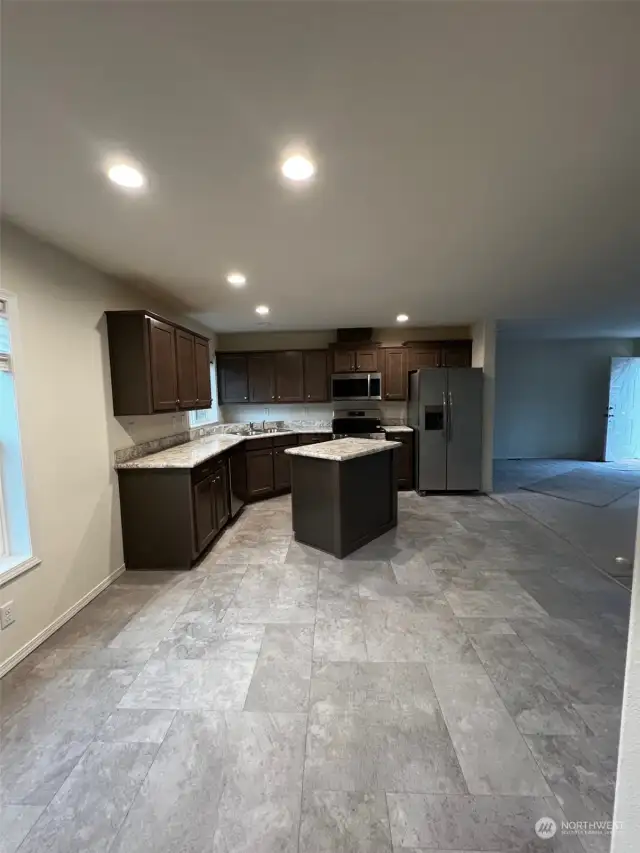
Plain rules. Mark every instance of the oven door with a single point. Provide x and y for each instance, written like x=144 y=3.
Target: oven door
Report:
x=350 y=386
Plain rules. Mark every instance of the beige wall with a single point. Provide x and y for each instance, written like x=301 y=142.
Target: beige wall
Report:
x=240 y=341
x=68 y=430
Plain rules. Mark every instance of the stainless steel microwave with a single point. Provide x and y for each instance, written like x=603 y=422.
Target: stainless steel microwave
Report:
x=356 y=386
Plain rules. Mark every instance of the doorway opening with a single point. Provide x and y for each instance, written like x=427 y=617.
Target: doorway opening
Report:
x=622 y=442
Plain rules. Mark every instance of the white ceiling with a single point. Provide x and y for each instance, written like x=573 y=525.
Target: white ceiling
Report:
x=475 y=160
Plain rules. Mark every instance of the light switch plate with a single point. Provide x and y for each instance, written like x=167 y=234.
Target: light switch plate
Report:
x=6 y=615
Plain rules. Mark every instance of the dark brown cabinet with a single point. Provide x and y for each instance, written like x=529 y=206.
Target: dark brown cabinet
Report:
x=281 y=470
x=316 y=379
x=204 y=511
x=313 y=437
x=404 y=458
x=233 y=380
x=356 y=360
x=186 y=369
x=162 y=358
x=220 y=494
x=262 y=377
x=344 y=361
x=202 y=360
x=456 y=354
x=395 y=374
x=259 y=472
x=289 y=376
x=367 y=360
x=156 y=365
x=424 y=355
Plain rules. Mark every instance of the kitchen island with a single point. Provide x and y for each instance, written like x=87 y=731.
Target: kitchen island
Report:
x=343 y=493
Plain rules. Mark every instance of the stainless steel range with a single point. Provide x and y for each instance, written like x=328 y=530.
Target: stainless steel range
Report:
x=357 y=423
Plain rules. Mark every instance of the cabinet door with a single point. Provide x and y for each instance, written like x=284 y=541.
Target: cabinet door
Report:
x=221 y=498
x=259 y=472
x=162 y=357
x=204 y=509
x=203 y=373
x=186 y=369
x=233 y=386
x=425 y=356
x=404 y=459
x=456 y=354
x=395 y=374
x=262 y=381
x=316 y=381
x=344 y=361
x=281 y=469
x=289 y=377
x=367 y=360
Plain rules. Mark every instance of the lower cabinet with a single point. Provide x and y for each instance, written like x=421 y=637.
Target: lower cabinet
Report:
x=210 y=506
x=404 y=458
x=259 y=472
x=281 y=470
x=269 y=468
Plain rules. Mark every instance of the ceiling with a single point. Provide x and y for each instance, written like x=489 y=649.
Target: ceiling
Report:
x=475 y=159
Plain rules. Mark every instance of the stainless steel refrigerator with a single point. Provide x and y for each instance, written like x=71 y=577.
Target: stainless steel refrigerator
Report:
x=445 y=411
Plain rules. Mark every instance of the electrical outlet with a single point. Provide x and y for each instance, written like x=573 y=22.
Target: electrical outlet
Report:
x=6 y=615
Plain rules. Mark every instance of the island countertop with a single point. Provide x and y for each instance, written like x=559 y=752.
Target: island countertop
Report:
x=343 y=449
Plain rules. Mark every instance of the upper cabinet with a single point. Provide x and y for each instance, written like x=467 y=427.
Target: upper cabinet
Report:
x=289 y=376
x=395 y=373
x=439 y=354
x=456 y=354
x=302 y=376
x=361 y=359
x=233 y=378
x=316 y=378
x=262 y=377
x=156 y=365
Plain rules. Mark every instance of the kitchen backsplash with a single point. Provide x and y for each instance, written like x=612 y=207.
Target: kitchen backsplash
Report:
x=392 y=413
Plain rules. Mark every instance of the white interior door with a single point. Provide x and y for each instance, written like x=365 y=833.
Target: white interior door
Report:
x=623 y=417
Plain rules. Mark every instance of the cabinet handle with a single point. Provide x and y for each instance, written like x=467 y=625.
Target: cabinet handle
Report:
x=197 y=399
x=245 y=398
x=308 y=396
x=273 y=396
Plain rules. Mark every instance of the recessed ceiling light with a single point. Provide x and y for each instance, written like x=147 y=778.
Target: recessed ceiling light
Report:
x=402 y=318
x=127 y=176
x=298 y=168
x=237 y=279
x=262 y=310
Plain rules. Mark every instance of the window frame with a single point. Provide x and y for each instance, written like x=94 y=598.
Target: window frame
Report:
x=13 y=565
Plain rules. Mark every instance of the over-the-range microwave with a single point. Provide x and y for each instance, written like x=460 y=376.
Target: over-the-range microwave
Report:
x=356 y=386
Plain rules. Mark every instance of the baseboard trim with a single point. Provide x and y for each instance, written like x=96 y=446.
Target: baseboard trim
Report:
x=22 y=653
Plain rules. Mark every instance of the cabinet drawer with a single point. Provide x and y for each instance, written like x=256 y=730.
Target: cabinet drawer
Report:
x=207 y=468
x=285 y=441
x=314 y=438
x=259 y=444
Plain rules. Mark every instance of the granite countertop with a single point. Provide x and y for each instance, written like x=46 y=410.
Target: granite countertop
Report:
x=398 y=428
x=187 y=455
x=196 y=452
x=343 y=449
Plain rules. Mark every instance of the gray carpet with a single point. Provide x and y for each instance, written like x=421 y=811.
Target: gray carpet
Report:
x=591 y=487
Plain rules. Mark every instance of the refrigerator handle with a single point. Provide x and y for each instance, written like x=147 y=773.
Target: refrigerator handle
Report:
x=445 y=413
x=450 y=417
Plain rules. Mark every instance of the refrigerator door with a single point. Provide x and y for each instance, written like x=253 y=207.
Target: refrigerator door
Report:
x=464 y=432
x=431 y=435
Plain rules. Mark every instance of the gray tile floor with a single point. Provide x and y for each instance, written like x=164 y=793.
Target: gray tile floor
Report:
x=443 y=689
x=600 y=533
